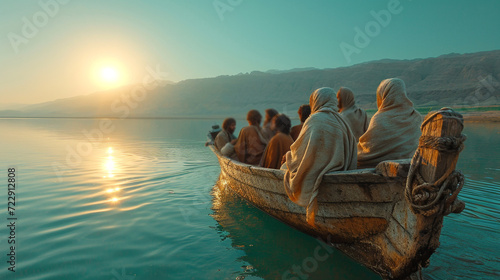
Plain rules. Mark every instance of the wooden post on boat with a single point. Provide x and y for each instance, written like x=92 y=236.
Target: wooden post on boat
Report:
x=433 y=165
x=433 y=184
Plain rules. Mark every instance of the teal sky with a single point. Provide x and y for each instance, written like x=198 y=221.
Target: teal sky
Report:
x=191 y=39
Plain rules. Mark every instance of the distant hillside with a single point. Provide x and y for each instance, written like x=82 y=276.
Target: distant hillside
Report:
x=448 y=80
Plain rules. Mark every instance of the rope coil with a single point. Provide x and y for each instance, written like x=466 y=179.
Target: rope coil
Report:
x=432 y=198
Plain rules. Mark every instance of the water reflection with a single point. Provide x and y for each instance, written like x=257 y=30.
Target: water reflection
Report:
x=160 y=167
x=110 y=164
x=110 y=169
x=273 y=250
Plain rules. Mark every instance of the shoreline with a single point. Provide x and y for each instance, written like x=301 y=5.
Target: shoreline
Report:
x=485 y=116
x=471 y=114
x=488 y=114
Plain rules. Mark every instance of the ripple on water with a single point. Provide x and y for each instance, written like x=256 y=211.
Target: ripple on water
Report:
x=165 y=224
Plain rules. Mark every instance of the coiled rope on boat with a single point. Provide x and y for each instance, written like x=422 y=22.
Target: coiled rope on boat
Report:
x=432 y=198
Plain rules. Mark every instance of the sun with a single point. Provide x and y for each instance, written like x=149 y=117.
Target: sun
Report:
x=109 y=75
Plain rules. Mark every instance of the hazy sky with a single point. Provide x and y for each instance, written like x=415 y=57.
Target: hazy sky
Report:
x=53 y=49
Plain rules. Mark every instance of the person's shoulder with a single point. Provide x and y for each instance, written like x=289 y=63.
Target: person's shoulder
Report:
x=288 y=138
x=278 y=137
x=317 y=118
x=246 y=128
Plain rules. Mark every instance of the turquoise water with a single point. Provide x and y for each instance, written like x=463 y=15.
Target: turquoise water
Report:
x=139 y=204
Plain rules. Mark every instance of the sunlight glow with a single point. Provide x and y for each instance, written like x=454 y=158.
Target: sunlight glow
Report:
x=109 y=75
x=109 y=164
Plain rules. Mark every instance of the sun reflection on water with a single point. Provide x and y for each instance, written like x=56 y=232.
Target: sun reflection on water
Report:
x=110 y=169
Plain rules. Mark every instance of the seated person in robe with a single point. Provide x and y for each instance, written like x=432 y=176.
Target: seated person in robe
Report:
x=251 y=144
x=304 y=112
x=354 y=116
x=267 y=132
x=279 y=144
x=325 y=144
x=394 y=130
x=226 y=137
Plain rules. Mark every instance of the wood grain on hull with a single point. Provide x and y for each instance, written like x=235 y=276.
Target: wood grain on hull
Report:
x=361 y=212
x=365 y=213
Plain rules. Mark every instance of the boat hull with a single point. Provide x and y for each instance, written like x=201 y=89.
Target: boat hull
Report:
x=361 y=212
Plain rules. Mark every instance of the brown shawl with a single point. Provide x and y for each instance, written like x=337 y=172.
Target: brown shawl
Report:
x=325 y=144
x=250 y=145
x=296 y=131
x=275 y=150
x=355 y=117
x=394 y=130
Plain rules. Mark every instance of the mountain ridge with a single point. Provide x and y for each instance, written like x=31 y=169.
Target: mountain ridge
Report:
x=447 y=80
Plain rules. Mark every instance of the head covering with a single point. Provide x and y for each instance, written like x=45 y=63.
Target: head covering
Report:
x=394 y=130
x=325 y=144
x=346 y=98
x=391 y=94
x=323 y=100
x=355 y=117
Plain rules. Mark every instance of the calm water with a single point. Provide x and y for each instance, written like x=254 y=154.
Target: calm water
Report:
x=139 y=204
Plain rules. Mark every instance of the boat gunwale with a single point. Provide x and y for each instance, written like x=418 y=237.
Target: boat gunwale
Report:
x=376 y=175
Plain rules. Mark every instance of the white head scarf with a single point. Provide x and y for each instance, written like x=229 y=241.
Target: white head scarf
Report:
x=394 y=130
x=355 y=117
x=325 y=144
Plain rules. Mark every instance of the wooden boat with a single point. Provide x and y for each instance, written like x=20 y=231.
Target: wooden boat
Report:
x=388 y=218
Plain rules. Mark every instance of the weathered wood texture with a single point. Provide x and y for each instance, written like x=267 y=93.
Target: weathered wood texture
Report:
x=363 y=213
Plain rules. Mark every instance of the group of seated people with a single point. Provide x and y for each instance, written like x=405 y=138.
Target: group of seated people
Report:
x=336 y=136
x=263 y=146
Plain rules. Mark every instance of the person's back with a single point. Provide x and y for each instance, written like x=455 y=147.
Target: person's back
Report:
x=394 y=130
x=251 y=144
x=325 y=144
x=304 y=112
x=354 y=116
x=279 y=144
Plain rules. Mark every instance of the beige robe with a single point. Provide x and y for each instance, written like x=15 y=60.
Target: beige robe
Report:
x=325 y=144
x=394 y=130
x=275 y=150
x=355 y=117
x=250 y=145
x=222 y=139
